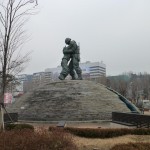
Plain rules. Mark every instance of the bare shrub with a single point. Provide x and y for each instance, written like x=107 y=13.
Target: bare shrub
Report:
x=40 y=140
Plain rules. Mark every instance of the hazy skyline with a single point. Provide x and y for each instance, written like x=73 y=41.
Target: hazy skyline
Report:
x=116 y=32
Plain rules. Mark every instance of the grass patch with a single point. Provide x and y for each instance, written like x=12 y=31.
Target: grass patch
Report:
x=132 y=146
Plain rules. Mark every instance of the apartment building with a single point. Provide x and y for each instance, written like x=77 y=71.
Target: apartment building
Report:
x=54 y=72
x=93 y=69
x=29 y=82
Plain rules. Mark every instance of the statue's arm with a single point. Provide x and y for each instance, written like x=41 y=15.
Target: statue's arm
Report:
x=67 y=51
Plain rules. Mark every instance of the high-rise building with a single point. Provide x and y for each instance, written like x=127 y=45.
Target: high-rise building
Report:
x=22 y=79
x=19 y=88
x=29 y=82
x=54 y=72
x=93 y=69
x=41 y=78
x=47 y=77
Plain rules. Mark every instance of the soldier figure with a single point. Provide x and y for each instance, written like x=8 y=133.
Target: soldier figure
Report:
x=65 y=68
x=71 y=52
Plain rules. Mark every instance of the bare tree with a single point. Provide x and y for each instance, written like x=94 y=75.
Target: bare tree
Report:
x=13 y=16
x=122 y=87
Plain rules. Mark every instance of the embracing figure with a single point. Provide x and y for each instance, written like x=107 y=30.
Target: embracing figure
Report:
x=71 y=56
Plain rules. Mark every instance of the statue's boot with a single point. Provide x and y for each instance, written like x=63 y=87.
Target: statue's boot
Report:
x=61 y=77
x=79 y=77
x=73 y=78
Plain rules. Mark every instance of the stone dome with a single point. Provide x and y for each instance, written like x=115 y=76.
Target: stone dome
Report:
x=75 y=100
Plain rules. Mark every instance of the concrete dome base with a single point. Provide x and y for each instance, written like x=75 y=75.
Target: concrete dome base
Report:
x=68 y=100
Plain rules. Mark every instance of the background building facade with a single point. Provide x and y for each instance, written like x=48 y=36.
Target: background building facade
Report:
x=90 y=70
x=93 y=70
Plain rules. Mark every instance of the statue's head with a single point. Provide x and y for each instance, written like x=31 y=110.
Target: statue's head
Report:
x=67 y=41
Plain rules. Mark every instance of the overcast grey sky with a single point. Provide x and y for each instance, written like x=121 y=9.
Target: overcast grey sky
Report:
x=116 y=32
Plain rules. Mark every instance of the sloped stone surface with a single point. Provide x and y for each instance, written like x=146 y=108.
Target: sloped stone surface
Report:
x=68 y=100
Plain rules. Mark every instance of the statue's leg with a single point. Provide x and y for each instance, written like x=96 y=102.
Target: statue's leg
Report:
x=65 y=69
x=77 y=68
x=71 y=70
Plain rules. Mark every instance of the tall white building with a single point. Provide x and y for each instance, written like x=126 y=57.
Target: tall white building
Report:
x=93 y=69
x=42 y=77
x=54 y=72
x=21 y=78
x=29 y=82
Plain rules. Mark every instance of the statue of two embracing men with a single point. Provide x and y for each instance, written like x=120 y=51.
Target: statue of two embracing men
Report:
x=71 y=55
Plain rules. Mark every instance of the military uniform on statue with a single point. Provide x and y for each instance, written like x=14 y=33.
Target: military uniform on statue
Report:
x=72 y=54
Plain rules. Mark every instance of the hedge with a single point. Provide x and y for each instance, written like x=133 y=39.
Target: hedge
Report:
x=18 y=126
x=104 y=133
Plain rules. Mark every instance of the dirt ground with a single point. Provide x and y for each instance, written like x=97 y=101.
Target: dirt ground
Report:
x=106 y=144
x=103 y=124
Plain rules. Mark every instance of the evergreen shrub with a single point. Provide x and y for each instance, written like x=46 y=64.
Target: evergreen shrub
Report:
x=18 y=126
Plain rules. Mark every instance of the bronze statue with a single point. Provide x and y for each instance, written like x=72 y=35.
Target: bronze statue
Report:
x=72 y=54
